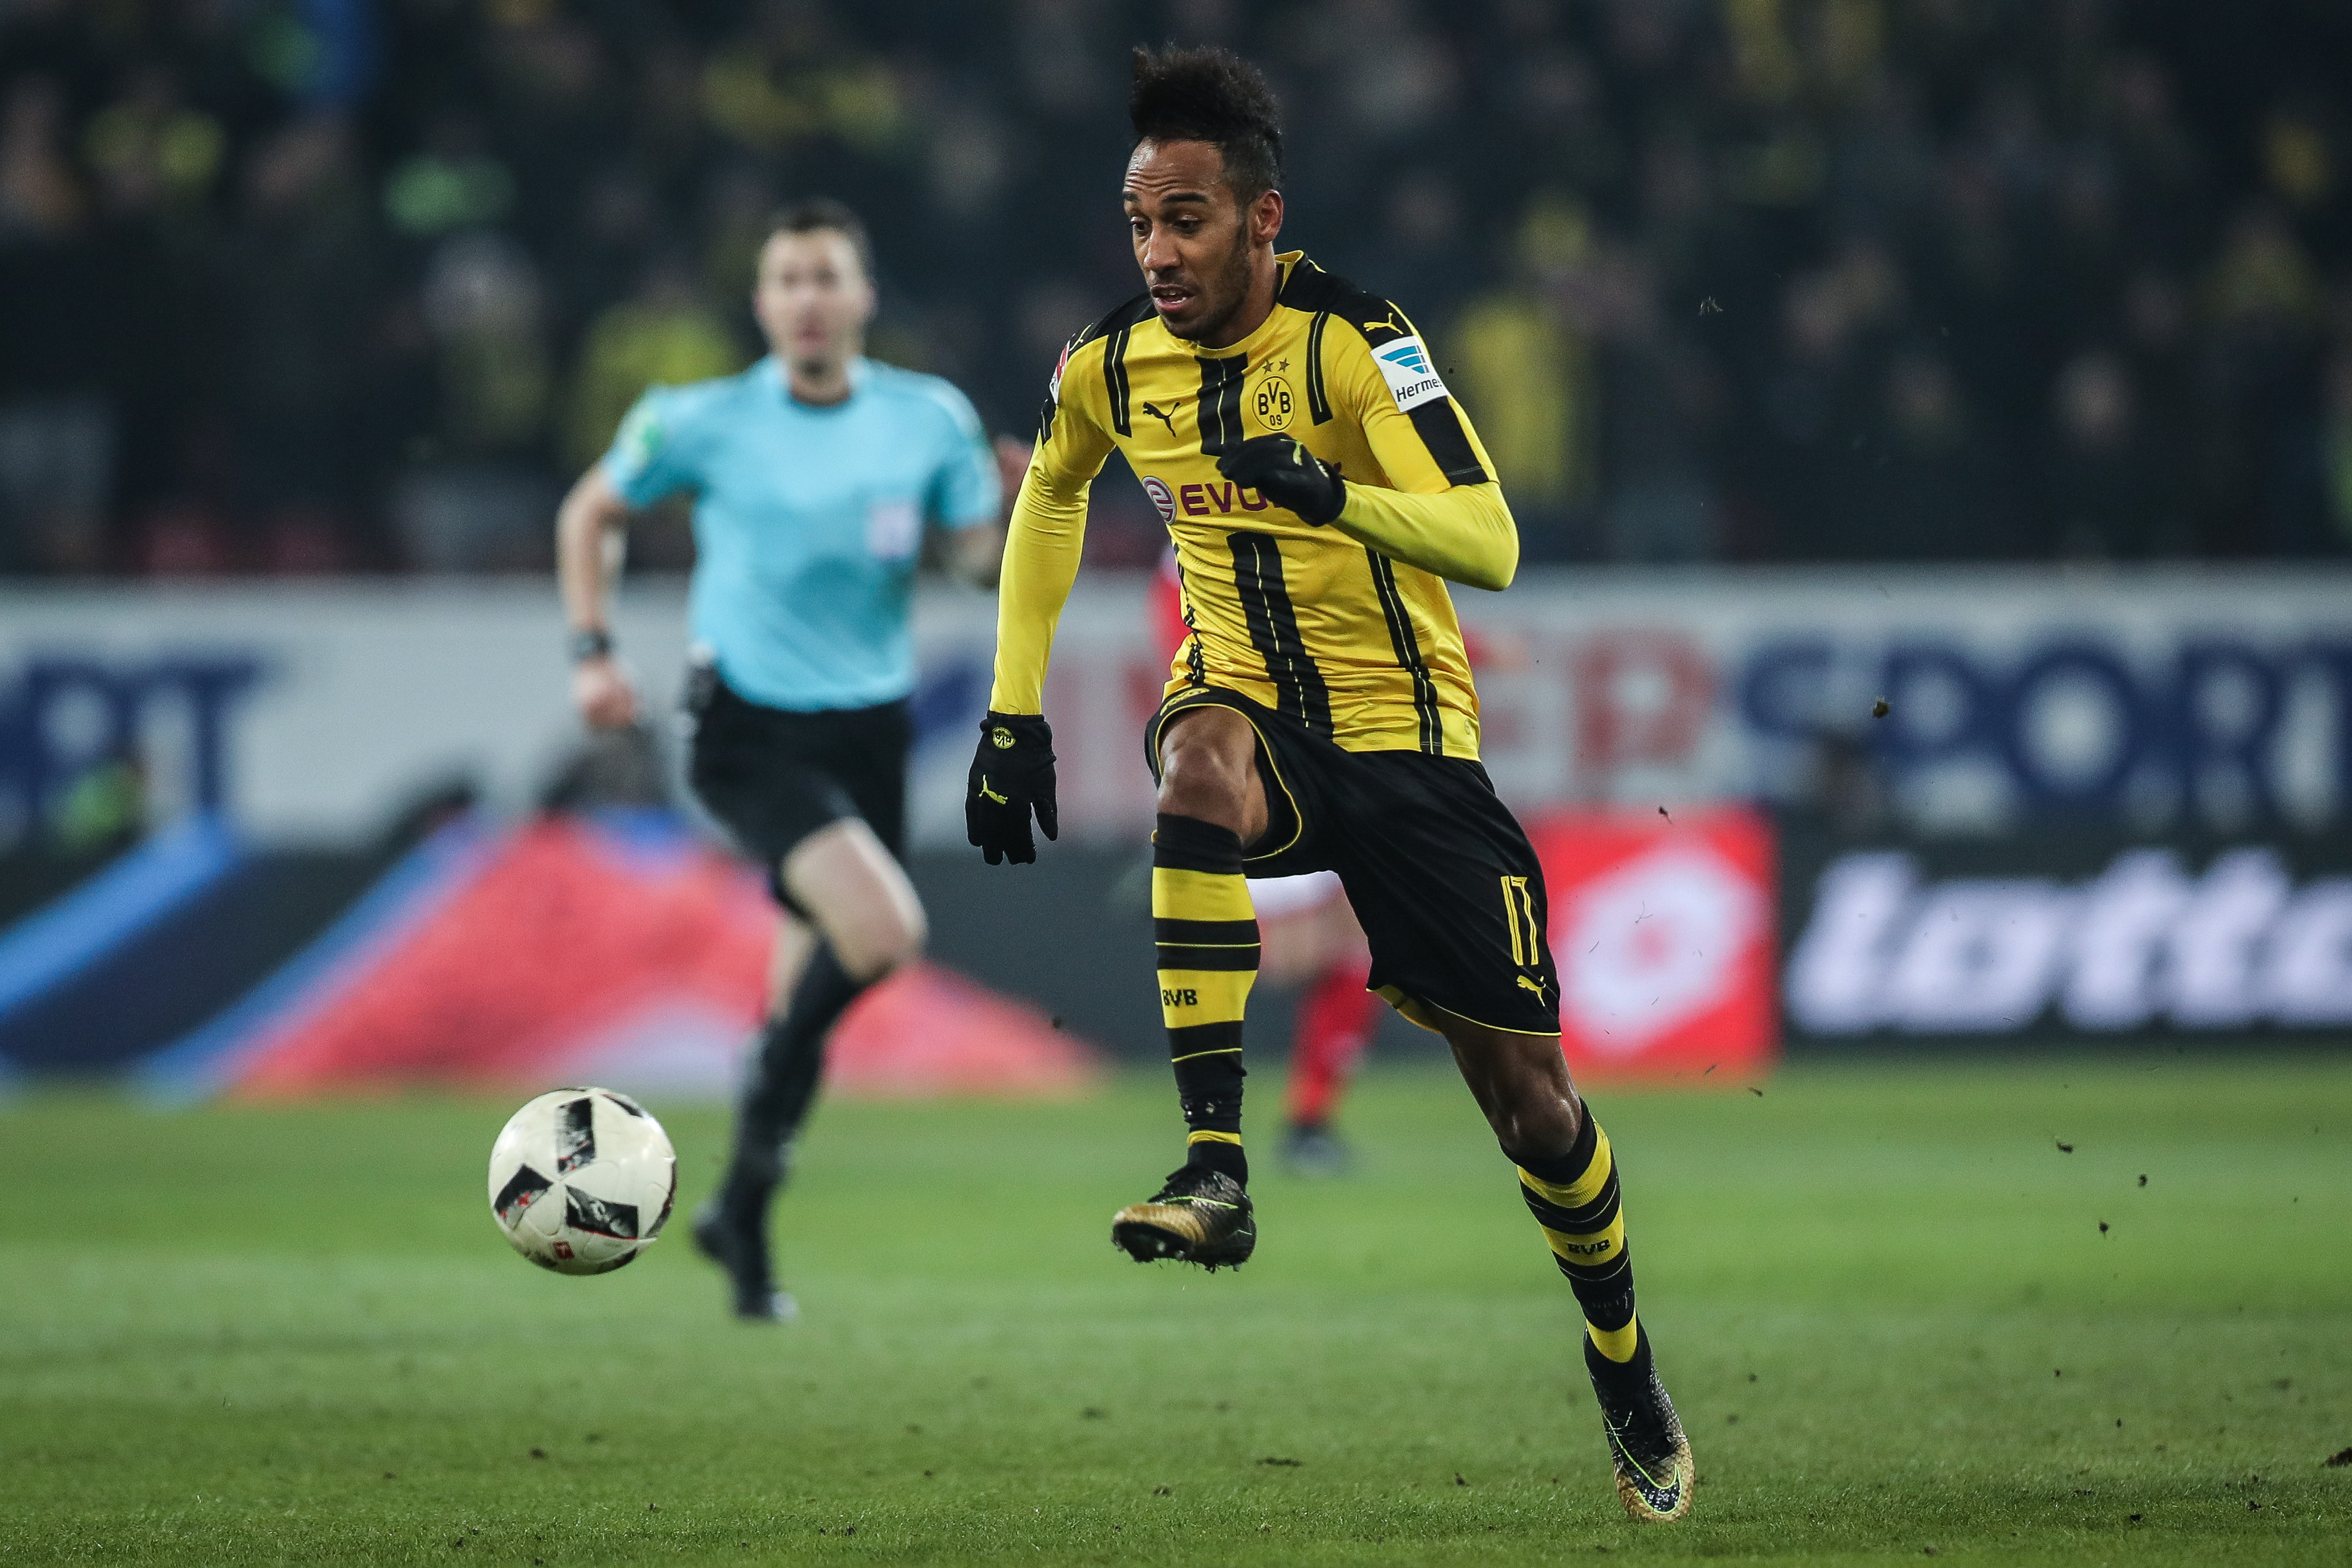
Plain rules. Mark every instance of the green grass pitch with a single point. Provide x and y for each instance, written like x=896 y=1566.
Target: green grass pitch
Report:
x=1896 y=1316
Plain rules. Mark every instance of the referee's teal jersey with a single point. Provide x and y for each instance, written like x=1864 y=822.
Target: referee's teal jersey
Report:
x=808 y=521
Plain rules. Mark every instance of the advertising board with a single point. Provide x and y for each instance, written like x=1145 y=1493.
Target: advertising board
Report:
x=1662 y=933
x=2163 y=701
x=2079 y=934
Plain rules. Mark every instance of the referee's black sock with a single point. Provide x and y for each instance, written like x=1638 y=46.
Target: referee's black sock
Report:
x=781 y=1082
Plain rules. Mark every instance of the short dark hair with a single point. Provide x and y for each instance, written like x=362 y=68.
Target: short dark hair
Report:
x=817 y=215
x=1211 y=95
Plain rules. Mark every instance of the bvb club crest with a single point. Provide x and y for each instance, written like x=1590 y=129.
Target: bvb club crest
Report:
x=1274 y=402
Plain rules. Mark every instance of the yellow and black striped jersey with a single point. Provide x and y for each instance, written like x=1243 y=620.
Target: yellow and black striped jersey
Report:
x=1345 y=627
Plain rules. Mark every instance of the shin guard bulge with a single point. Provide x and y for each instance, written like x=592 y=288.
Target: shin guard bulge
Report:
x=1574 y=1198
x=1207 y=936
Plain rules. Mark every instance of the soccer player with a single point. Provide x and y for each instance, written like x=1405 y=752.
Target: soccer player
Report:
x=1321 y=487
x=815 y=474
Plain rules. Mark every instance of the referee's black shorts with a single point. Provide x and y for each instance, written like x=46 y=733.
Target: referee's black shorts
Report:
x=1441 y=876
x=773 y=776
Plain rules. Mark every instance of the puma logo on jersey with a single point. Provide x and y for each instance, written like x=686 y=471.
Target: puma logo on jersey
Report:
x=1169 y=418
x=1527 y=984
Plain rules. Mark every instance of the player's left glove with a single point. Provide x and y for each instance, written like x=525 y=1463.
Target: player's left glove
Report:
x=1285 y=472
x=1012 y=775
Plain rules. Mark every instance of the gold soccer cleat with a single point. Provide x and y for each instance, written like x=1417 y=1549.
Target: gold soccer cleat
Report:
x=1197 y=1216
x=1646 y=1445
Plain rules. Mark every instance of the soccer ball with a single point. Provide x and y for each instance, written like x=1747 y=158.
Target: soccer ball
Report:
x=582 y=1180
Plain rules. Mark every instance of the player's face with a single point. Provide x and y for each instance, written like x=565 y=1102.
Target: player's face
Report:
x=813 y=298
x=1191 y=238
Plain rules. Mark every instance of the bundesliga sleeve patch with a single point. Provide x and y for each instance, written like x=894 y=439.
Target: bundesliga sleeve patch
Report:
x=641 y=439
x=1405 y=365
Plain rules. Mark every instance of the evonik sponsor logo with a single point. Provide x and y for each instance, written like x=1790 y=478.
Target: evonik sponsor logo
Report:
x=1161 y=496
x=1213 y=499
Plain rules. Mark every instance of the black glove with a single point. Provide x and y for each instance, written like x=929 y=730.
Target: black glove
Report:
x=1287 y=474
x=1012 y=776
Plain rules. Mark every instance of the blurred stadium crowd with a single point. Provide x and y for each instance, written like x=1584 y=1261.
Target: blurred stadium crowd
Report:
x=294 y=286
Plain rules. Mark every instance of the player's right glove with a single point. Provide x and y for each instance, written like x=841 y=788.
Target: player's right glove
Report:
x=1012 y=776
x=1282 y=471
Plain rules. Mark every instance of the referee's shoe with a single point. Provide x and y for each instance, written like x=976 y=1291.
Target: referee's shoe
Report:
x=742 y=1250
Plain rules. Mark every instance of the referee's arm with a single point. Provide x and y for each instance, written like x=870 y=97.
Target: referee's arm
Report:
x=976 y=554
x=588 y=528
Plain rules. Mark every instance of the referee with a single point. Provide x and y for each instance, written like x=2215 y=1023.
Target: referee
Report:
x=816 y=474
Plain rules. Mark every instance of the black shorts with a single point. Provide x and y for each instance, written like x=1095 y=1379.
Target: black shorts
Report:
x=1441 y=876
x=773 y=777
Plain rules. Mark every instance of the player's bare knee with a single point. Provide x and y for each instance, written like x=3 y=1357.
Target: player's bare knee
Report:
x=1523 y=1088
x=912 y=933
x=885 y=936
x=1539 y=1135
x=1199 y=781
x=867 y=956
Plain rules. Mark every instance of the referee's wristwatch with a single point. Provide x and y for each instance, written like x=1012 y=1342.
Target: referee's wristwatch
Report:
x=590 y=642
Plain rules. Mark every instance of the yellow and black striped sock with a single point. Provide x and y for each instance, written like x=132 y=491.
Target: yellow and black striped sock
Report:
x=1207 y=932
x=1574 y=1198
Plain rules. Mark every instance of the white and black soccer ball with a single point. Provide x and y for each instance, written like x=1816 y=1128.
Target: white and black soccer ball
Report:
x=582 y=1180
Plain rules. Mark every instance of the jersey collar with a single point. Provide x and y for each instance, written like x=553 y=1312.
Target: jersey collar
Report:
x=1268 y=329
x=771 y=369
